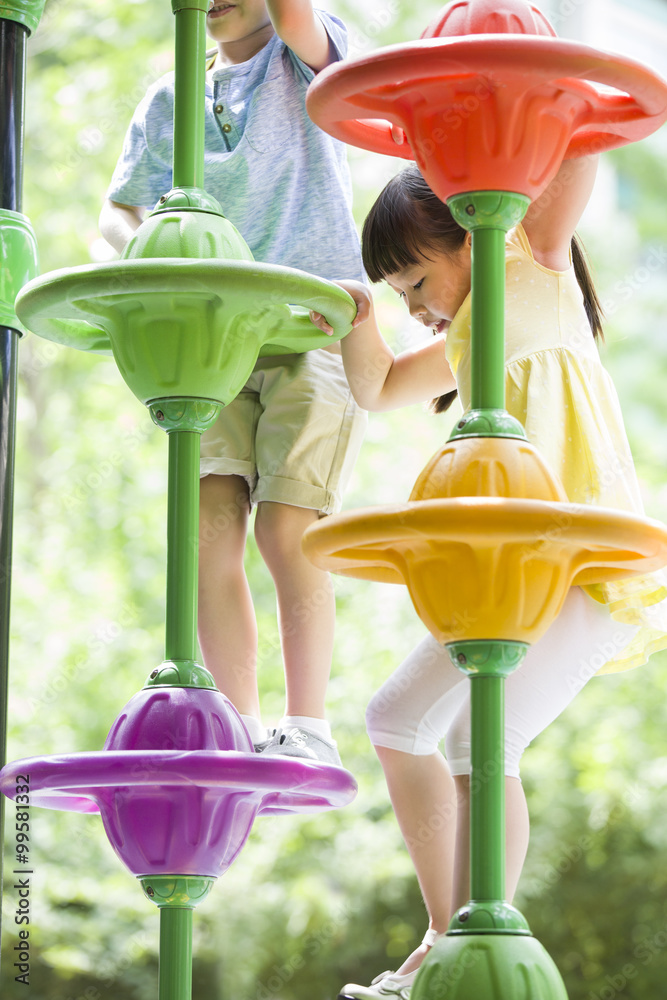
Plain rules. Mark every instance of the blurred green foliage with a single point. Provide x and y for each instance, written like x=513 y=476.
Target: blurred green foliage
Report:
x=311 y=902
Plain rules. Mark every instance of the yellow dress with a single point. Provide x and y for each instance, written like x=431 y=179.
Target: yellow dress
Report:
x=556 y=386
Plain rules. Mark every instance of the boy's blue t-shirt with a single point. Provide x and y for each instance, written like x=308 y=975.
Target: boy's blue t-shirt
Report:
x=282 y=181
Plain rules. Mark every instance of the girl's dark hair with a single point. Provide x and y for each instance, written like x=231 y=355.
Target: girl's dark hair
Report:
x=592 y=303
x=408 y=221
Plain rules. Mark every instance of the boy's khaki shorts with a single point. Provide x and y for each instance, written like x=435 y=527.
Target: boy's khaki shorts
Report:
x=293 y=432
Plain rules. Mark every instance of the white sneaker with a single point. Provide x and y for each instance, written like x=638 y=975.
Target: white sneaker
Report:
x=295 y=742
x=388 y=984
x=263 y=744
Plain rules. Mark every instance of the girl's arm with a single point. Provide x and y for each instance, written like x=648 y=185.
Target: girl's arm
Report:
x=302 y=31
x=379 y=380
x=551 y=220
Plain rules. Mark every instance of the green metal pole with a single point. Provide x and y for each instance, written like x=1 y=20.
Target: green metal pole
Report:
x=488 y=663
x=182 y=545
x=487 y=337
x=176 y=896
x=175 y=972
x=487 y=801
x=488 y=952
x=488 y=216
x=184 y=444
x=190 y=81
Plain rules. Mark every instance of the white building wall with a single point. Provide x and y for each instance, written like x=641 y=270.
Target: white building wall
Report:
x=637 y=29
x=634 y=28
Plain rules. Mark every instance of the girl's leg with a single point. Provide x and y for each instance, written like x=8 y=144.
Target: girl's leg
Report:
x=433 y=812
x=555 y=669
x=406 y=719
x=517 y=832
x=306 y=607
x=423 y=795
x=427 y=696
x=227 y=627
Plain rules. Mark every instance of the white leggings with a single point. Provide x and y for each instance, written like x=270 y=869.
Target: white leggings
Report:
x=427 y=698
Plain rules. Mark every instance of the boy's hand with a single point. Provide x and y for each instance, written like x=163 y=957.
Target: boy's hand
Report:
x=363 y=301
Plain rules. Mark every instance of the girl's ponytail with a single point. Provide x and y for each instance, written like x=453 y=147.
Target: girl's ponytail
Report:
x=442 y=403
x=592 y=303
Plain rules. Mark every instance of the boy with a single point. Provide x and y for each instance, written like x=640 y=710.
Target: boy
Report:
x=287 y=443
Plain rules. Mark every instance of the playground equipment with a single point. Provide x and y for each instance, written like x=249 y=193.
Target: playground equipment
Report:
x=186 y=312
x=488 y=103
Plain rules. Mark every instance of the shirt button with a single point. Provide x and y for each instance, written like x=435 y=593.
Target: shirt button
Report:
x=226 y=128
x=219 y=108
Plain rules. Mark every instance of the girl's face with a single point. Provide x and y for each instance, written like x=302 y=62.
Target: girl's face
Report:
x=236 y=20
x=434 y=290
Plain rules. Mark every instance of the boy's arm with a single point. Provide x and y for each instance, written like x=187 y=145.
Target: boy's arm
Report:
x=118 y=223
x=302 y=31
x=379 y=380
x=552 y=218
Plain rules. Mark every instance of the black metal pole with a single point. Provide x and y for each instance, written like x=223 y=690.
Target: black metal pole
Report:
x=13 y=38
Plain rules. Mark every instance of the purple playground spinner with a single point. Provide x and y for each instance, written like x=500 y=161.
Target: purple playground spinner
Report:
x=178 y=783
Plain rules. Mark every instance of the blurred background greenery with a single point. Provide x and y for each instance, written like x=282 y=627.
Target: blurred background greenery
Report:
x=312 y=902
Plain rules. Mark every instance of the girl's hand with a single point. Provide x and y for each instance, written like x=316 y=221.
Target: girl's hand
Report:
x=363 y=301
x=398 y=135
x=318 y=320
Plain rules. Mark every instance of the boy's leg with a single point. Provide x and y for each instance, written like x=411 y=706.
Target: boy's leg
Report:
x=308 y=434
x=306 y=606
x=227 y=626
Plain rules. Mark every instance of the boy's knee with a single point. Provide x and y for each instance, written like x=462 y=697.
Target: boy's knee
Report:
x=279 y=529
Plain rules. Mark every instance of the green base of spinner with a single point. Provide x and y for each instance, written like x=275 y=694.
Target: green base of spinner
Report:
x=488 y=967
x=488 y=423
x=181 y=673
x=488 y=916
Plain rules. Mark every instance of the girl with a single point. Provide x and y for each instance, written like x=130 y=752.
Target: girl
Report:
x=556 y=386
